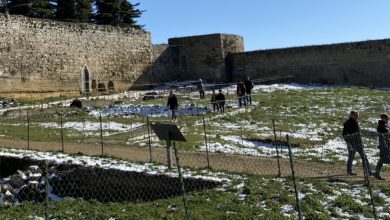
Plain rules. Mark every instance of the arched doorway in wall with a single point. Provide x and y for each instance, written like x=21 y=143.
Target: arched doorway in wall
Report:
x=85 y=82
x=111 y=86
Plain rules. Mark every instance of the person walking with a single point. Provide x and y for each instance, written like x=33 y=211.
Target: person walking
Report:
x=384 y=151
x=201 y=88
x=173 y=103
x=248 y=89
x=221 y=101
x=351 y=134
x=241 y=94
x=214 y=101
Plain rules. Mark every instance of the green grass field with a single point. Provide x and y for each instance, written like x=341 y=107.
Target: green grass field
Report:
x=312 y=117
x=259 y=198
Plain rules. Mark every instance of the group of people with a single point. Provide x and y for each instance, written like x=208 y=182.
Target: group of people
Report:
x=244 y=92
x=351 y=134
x=218 y=101
x=351 y=130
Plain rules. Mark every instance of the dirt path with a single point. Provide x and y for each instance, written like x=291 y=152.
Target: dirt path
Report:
x=218 y=162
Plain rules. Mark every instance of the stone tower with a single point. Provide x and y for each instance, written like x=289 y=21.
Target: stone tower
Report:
x=204 y=56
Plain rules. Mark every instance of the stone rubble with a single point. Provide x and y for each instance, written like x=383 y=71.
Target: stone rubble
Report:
x=22 y=186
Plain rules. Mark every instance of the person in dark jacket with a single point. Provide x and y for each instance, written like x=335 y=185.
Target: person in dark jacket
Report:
x=384 y=151
x=248 y=89
x=351 y=134
x=241 y=94
x=173 y=103
x=201 y=88
x=214 y=101
x=221 y=101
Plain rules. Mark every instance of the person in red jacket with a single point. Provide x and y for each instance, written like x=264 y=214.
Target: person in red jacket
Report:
x=241 y=94
x=214 y=101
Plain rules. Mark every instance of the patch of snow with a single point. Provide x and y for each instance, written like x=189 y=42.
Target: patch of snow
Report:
x=107 y=163
x=149 y=110
x=93 y=126
x=287 y=209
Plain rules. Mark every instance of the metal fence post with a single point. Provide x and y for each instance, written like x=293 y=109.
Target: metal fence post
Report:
x=187 y=217
x=169 y=142
x=294 y=180
x=368 y=182
x=101 y=133
x=209 y=131
x=205 y=141
x=131 y=129
x=323 y=145
x=28 y=132
x=273 y=125
x=46 y=191
x=150 y=141
x=62 y=134
x=366 y=173
x=277 y=149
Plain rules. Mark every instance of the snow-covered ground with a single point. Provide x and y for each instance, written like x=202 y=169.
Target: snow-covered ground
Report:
x=324 y=133
x=188 y=109
x=286 y=87
x=89 y=128
x=148 y=110
x=332 y=150
x=355 y=193
x=108 y=163
x=133 y=95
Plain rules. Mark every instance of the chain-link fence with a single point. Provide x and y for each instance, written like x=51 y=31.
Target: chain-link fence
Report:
x=271 y=152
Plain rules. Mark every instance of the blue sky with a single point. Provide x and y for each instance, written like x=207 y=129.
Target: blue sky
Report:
x=269 y=24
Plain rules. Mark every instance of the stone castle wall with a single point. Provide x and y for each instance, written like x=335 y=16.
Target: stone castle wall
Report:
x=42 y=57
x=204 y=56
x=361 y=63
x=165 y=65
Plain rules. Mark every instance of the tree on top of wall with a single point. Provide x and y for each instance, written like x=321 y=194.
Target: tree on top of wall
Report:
x=42 y=8
x=117 y=13
x=108 y=12
x=3 y=6
x=74 y=10
x=128 y=14
x=32 y=8
x=19 y=7
x=65 y=9
x=83 y=10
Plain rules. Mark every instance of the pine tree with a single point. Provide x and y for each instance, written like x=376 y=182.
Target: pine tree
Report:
x=65 y=9
x=83 y=10
x=41 y=8
x=117 y=13
x=20 y=7
x=3 y=6
x=107 y=12
x=128 y=13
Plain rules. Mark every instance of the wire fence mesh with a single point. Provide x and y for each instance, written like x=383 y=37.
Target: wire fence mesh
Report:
x=126 y=135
